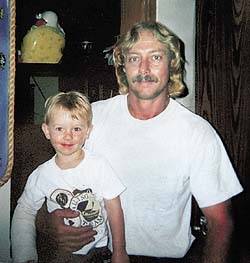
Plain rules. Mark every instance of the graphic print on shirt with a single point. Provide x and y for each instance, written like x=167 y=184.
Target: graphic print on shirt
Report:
x=82 y=201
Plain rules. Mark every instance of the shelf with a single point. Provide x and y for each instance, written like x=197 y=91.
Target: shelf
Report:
x=66 y=68
x=40 y=69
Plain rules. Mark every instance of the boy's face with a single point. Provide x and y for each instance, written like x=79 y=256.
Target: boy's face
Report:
x=67 y=135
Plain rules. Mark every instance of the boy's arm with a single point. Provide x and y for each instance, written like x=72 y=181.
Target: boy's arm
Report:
x=23 y=235
x=116 y=222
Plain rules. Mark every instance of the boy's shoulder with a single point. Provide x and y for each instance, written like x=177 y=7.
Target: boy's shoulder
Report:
x=46 y=165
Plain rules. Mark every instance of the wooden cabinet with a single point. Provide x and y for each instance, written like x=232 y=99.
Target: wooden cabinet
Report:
x=94 y=77
x=87 y=71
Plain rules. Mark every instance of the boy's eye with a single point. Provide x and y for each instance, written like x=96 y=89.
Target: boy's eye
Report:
x=58 y=128
x=77 y=129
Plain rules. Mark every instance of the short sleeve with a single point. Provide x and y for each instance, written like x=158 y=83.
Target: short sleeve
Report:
x=111 y=184
x=212 y=176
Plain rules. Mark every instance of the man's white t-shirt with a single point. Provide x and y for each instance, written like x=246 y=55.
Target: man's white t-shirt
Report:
x=162 y=161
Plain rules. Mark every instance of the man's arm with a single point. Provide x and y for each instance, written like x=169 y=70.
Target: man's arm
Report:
x=220 y=227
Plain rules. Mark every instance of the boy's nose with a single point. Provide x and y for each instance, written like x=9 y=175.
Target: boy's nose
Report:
x=68 y=134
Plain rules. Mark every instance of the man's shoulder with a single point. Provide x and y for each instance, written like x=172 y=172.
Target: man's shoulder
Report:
x=95 y=160
x=107 y=102
x=190 y=119
x=103 y=108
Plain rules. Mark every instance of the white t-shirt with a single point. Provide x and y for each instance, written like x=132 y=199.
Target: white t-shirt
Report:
x=82 y=188
x=162 y=161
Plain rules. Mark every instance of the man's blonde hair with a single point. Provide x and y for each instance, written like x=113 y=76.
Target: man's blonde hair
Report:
x=176 y=85
x=73 y=101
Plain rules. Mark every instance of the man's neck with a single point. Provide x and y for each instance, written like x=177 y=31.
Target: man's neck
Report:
x=146 y=109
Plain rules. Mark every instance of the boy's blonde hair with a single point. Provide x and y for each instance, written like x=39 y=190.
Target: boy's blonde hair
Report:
x=73 y=101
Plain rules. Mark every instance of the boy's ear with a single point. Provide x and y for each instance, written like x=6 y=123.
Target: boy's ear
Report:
x=89 y=131
x=45 y=130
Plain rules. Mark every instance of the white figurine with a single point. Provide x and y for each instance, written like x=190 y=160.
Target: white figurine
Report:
x=48 y=18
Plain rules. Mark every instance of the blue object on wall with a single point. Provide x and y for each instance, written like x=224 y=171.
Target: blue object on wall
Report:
x=4 y=85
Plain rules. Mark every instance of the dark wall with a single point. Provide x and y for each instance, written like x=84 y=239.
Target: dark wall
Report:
x=223 y=93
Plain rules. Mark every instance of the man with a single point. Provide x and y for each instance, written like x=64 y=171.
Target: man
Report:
x=162 y=152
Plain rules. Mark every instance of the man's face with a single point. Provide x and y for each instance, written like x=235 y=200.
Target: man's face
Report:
x=146 y=66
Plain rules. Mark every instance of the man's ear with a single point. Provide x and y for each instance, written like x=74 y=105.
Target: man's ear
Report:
x=45 y=130
x=89 y=131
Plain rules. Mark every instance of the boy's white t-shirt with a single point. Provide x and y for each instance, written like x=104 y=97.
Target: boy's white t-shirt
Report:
x=162 y=161
x=82 y=188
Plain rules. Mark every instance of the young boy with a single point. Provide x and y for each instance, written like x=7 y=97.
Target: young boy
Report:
x=74 y=178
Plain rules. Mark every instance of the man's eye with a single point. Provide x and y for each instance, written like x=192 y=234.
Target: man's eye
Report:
x=156 y=57
x=133 y=59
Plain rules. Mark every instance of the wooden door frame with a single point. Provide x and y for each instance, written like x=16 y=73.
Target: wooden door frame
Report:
x=133 y=11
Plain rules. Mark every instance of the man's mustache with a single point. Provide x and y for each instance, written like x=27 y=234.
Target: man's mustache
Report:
x=148 y=78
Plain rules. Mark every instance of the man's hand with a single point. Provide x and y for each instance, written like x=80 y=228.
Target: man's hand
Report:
x=69 y=238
